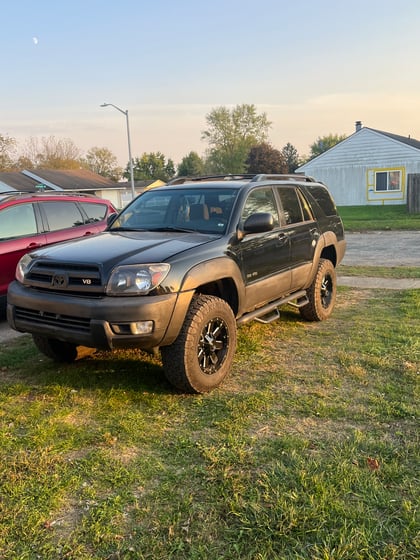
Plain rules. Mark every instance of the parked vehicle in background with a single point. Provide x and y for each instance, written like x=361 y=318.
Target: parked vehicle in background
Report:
x=180 y=268
x=31 y=220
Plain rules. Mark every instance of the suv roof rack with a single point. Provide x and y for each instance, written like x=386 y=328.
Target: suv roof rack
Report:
x=283 y=177
x=224 y=177
x=244 y=177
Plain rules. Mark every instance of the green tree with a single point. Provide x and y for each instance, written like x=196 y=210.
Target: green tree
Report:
x=265 y=159
x=291 y=157
x=324 y=143
x=103 y=162
x=191 y=165
x=7 y=152
x=151 y=166
x=231 y=133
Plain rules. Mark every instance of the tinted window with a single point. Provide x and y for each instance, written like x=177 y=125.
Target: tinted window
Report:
x=322 y=196
x=95 y=212
x=291 y=208
x=62 y=215
x=17 y=221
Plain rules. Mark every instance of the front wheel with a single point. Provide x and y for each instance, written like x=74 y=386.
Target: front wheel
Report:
x=201 y=356
x=57 y=350
x=321 y=294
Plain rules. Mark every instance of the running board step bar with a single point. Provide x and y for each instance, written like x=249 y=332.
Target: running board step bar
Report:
x=270 y=312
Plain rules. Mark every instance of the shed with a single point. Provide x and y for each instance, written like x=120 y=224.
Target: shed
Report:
x=369 y=167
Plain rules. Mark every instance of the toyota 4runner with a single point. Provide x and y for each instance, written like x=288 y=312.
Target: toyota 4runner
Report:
x=182 y=266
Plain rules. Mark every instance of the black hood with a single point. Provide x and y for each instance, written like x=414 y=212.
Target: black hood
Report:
x=124 y=247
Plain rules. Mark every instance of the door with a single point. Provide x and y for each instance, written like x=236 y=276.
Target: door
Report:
x=264 y=256
x=18 y=235
x=302 y=230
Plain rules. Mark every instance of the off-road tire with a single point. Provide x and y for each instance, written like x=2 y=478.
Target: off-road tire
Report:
x=57 y=350
x=321 y=294
x=200 y=358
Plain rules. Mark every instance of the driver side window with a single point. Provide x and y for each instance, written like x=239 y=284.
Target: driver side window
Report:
x=261 y=200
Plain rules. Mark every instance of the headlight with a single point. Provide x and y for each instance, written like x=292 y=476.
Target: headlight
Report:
x=137 y=279
x=22 y=267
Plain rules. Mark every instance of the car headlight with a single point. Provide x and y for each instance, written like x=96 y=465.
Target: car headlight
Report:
x=22 y=267
x=132 y=280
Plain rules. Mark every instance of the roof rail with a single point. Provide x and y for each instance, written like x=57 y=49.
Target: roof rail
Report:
x=244 y=177
x=283 y=177
x=47 y=193
x=225 y=177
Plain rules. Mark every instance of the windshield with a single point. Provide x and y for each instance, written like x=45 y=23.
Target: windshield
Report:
x=202 y=210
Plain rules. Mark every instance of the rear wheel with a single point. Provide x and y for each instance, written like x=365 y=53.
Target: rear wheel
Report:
x=321 y=293
x=201 y=356
x=57 y=350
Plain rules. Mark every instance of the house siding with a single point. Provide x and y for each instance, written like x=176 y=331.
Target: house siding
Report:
x=347 y=168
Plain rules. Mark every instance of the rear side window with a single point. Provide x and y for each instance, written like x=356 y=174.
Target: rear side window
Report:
x=95 y=212
x=323 y=197
x=17 y=221
x=62 y=215
x=291 y=209
x=295 y=209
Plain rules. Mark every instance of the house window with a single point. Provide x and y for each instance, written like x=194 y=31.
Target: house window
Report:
x=388 y=180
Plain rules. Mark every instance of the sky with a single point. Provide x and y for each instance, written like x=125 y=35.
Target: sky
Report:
x=314 y=68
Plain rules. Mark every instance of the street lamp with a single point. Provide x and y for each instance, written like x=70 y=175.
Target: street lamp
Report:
x=133 y=191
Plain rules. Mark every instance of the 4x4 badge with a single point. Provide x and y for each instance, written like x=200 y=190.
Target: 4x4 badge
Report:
x=59 y=281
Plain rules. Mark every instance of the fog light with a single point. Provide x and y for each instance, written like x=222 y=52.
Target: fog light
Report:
x=142 y=327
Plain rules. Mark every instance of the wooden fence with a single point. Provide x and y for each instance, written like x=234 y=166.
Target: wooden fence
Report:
x=413 y=193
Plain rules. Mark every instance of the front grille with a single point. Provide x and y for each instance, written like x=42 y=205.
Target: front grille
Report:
x=63 y=277
x=52 y=319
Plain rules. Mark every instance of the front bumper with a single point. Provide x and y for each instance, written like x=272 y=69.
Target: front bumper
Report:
x=103 y=323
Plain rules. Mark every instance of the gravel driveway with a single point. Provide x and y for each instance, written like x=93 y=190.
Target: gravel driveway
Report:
x=383 y=248
x=379 y=248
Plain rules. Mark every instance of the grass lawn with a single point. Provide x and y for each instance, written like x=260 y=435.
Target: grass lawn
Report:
x=309 y=450
x=365 y=218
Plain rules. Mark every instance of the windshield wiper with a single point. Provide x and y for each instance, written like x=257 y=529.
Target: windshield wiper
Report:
x=124 y=228
x=173 y=228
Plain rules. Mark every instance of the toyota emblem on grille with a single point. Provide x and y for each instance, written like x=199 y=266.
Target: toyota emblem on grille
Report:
x=59 y=281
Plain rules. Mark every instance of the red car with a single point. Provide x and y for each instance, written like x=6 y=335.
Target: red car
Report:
x=32 y=220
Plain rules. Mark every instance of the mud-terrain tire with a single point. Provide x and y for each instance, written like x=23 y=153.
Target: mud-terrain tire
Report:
x=321 y=294
x=57 y=350
x=200 y=358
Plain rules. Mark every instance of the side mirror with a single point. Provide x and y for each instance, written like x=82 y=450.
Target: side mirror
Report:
x=258 y=223
x=111 y=218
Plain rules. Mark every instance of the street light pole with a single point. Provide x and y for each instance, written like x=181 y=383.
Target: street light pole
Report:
x=133 y=190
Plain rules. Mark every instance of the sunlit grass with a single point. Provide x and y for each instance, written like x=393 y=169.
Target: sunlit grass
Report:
x=379 y=271
x=387 y=217
x=308 y=451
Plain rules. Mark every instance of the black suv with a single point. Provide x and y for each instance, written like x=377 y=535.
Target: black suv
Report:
x=180 y=267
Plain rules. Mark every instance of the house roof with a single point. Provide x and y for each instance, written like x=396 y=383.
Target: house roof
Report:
x=404 y=139
x=13 y=180
x=71 y=179
x=80 y=180
x=338 y=148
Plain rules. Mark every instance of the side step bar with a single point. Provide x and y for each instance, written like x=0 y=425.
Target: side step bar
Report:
x=270 y=312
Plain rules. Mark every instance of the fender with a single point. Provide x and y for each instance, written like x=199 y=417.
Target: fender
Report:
x=326 y=240
x=203 y=273
x=212 y=271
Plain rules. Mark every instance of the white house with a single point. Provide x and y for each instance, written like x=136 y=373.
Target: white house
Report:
x=368 y=167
